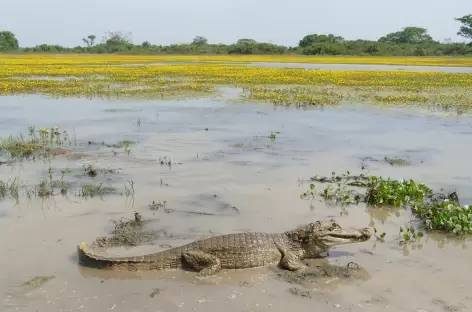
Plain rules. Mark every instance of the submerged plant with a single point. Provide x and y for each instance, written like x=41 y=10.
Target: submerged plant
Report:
x=396 y=161
x=340 y=194
x=92 y=190
x=409 y=234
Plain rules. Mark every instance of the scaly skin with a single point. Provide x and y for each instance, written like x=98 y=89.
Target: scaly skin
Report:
x=238 y=251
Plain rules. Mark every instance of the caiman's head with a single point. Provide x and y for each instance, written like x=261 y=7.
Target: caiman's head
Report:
x=320 y=236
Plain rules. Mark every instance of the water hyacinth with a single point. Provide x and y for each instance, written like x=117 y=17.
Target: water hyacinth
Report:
x=396 y=192
x=446 y=215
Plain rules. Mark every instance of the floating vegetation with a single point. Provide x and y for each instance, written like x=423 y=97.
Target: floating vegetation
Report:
x=446 y=215
x=340 y=194
x=292 y=96
x=438 y=211
x=92 y=190
x=395 y=193
x=309 y=193
x=102 y=59
x=395 y=161
x=346 y=178
x=105 y=77
x=409 y=234
x=273 y=136
x=126 y=232
x=93 y=172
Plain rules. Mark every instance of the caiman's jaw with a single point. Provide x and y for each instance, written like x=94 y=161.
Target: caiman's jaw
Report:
x=339 y=236
x=321 y=236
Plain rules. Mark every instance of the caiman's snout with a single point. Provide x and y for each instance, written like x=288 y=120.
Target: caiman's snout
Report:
x=338 y=236
x=366 y=233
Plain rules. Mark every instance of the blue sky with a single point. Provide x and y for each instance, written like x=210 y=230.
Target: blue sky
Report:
x=66 y=22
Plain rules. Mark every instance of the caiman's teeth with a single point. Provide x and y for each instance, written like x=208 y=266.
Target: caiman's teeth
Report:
x=83 y=246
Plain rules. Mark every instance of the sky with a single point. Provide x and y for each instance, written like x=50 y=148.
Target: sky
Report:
x=66 y=22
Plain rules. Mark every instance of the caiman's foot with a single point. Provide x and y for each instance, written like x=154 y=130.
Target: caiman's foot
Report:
x=289 y=261
x=205 y=264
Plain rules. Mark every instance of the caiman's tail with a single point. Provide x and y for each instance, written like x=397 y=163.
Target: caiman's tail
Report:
x=87 y=258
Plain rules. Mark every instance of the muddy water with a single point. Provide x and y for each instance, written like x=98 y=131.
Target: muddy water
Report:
x=375 y=67
x=224 y=165
x=447 y=69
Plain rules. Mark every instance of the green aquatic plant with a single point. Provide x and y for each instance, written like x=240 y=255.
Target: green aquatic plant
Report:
x=92 y=190
x=395 y=161
x=446 y=215
x=409 y=234
x=340 y=194
x=396 y=193
x=28 y=147
x=437 y=211
x=309 y=193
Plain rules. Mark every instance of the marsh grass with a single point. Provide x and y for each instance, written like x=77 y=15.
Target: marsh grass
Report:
x=127 y=232
x=297 y=96
x=103 y=59
x=301 y=87
x=11 y=189
x=129 y=193
x=46 y=144
x=93 y=190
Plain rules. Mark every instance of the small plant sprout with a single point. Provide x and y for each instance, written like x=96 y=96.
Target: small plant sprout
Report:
x=409 y=234
x=381 y=237
x=311 y=192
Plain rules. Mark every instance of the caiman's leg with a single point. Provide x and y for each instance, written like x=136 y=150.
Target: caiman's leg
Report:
x=289 y=261
x=205 y=264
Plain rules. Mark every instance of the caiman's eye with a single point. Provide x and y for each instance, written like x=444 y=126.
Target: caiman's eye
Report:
x=334 y=226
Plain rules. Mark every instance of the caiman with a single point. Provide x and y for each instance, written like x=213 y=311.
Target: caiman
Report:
x=237 y=251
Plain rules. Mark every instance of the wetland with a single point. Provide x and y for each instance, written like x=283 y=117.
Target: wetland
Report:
x=144 y=158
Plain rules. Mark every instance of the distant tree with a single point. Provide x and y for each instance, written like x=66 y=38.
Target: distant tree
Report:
x=116 y=38
x=117 y=42
x=146 y=44
x=8 y=41
x=311 y=39
x=413 y=35
x=325 y=48
x=90 y=40
x=245 y=41
x=466 y=28
x=198 y=40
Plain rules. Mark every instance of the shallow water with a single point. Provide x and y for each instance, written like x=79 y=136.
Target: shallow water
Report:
x=375 y=67
x=447 y=69
x=224 y=165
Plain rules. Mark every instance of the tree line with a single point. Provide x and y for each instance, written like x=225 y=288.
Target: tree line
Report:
x=409 y=41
